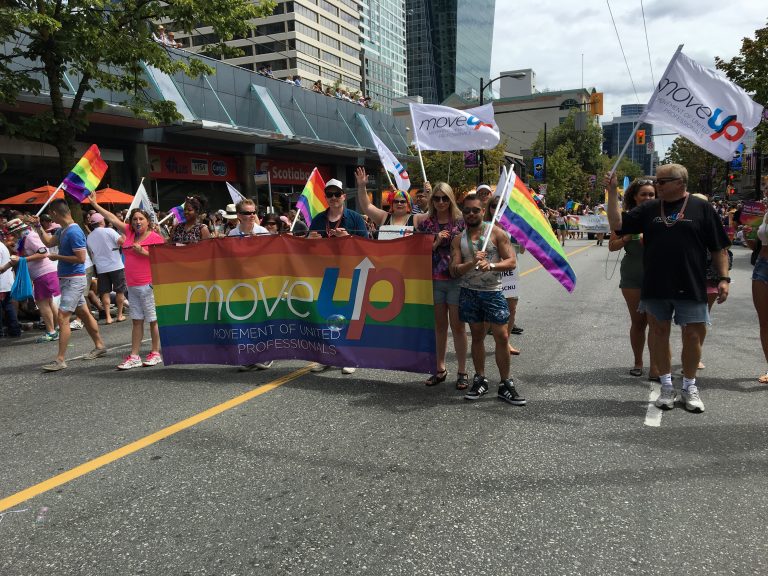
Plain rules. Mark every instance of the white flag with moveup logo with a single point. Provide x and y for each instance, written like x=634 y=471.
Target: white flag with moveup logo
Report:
x=391 y=164
x=451 y=130
x=708 y=109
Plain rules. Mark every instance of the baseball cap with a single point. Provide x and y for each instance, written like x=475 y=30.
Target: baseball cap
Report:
x=96 y=218
x=333 y=183
x=483 y=187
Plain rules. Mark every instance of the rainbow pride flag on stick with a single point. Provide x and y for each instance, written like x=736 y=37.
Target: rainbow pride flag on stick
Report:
x=525 y=222
x=339 y=301
x=86 y=174
x=312 y=200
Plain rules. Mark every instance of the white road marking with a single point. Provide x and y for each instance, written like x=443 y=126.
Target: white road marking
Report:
x=653 y=414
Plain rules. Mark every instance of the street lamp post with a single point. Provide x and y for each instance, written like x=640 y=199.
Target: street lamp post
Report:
x=483 y=86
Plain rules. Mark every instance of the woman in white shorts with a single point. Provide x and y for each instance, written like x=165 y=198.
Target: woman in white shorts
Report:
x=139 y=236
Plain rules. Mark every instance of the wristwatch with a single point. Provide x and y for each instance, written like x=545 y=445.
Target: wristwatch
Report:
x=493 y=266
x=726 y=278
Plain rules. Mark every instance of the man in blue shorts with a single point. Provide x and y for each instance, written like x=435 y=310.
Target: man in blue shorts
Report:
x=678 y=229
x=481 y=301
x=70 y=239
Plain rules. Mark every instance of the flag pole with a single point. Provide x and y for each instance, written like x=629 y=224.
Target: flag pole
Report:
x=269 y=189
x=295 y=219
x=169 y=215
x=418 y=148
x=647 y=107
x=502 y=200
x=49 y=199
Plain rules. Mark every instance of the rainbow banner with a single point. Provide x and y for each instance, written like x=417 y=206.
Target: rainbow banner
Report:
x=312 y=200
x=525 y=222
x=86 y=174
x=338 y=301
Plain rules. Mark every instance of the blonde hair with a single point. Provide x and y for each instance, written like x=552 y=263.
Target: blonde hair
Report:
x=448 y=191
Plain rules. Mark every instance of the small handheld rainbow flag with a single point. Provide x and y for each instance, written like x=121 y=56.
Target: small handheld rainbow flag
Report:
x=312 y=200
x=86 y=174
x=525 y=222
x=178 y=213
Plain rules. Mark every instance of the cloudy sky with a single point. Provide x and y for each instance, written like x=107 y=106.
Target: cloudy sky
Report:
x=551 y=35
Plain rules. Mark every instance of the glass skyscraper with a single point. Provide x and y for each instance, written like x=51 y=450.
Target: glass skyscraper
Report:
x=384 y=57
x=449 y=47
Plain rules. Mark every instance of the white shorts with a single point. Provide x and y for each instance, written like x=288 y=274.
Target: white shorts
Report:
x=509 y=283
x=142 y=300
x=72 y=289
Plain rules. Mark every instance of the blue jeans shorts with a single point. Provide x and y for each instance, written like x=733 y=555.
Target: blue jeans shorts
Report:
x=445 y=292
x=761 y=270
x=476 y=307
x=685 y=311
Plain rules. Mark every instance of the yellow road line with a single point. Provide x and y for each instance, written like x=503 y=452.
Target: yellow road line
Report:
x=110 y=457
x=569 y=254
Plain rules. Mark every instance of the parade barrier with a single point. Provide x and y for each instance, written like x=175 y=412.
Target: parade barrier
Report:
x=338 y=301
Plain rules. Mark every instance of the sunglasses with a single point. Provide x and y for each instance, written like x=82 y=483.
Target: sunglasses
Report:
x=334 y=194
x=251 y=213
x=646 y=182
x=400 y=202
x=441 y=198
x=269 y=223
x=660 y=181
x=471 y=210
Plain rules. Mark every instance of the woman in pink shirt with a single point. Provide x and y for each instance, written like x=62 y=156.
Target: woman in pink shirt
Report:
x=139 y=236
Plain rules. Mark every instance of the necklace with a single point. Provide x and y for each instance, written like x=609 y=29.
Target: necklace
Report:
x=674 y=218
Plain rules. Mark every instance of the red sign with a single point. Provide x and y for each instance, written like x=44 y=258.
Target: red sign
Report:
x=291 y=173
x=177 y=165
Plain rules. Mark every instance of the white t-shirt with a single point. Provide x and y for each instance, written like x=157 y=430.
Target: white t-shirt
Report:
x=6 y=278
x=256 y=230
x=102 y=244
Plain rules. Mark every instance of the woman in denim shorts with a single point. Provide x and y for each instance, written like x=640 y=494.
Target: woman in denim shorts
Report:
x=443 y=220
x=760 y=285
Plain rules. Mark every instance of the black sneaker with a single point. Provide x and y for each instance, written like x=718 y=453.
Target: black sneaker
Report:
x=507 y=393
x=516 y=330
x=479 y=387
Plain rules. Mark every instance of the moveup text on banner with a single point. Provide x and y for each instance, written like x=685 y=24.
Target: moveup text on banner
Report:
x=444 y=128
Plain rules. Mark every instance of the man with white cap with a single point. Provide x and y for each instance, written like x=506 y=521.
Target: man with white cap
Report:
x=337 y=221
x=103 y=244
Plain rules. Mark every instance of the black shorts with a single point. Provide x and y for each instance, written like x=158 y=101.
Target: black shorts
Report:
x=111 y=281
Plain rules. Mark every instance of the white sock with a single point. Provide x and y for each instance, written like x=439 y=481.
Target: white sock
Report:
x=688 y=382
x=666 y=380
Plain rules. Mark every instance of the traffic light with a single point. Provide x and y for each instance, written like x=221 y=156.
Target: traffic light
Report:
x=596 y=103
x=640 y=138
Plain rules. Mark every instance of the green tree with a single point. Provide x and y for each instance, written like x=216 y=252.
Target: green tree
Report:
x=750 y=71
x=706 y=172
x=449 y=167
x=102 y=43
x=586 y=143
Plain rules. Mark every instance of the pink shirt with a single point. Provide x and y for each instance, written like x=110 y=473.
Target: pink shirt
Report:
x=137 y=269
x=32 y=244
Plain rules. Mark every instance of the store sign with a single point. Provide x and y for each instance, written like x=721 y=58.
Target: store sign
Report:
x=292 y=173
x=179 y=165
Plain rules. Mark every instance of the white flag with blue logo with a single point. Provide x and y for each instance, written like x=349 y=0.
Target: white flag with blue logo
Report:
x=141 y=200
x=708 y=109
x=451 y=130
x=391 y=164
x=234 y=193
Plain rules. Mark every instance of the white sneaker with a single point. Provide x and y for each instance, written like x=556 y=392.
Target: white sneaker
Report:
x=264 y=365
x=692 y=400
x=666 y=400
x=130 y=362
x=152 y=359
x=76 y=324
x=319 y=368
x=348 y=370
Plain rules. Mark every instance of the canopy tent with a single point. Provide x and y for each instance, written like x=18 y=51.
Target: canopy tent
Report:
x=38 y=196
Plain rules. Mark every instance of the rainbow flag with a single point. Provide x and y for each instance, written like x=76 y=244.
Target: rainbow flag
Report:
x=525 y=222
x=86 y=174
x=312 y=200
x=178 y=213
x=338 y=301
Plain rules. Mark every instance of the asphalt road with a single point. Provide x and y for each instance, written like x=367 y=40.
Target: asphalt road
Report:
x=375 y=473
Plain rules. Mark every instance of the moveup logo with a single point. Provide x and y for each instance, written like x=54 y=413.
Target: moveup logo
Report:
x=477 y=123
x=443 y=122
x=729 y=127
x=401 y=171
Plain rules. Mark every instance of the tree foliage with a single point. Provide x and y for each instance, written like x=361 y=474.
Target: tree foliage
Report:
x=706 y=172
x=101 y=43
x=750 y=71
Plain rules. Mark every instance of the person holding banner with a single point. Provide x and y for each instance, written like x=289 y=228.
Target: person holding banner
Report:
x=191 y=230
x=139 y=236
x=72 y=280
x=337 y=220
x=400 y=206
x=443 y=220
x=481 y=301
x=677 y=230
x=631 y=276
x=247 y=220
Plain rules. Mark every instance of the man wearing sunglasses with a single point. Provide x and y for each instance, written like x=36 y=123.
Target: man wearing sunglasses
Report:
x=481 y=301
x=337 y=220
x=678 y=229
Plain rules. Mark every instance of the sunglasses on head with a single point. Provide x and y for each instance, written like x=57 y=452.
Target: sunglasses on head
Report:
x=646 y=182
x=334 y=194
x=471 y=210
x=247 y=213
x=441 y=198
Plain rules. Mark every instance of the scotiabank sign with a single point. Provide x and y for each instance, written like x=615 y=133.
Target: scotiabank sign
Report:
x=291 y=173
x=177 y=165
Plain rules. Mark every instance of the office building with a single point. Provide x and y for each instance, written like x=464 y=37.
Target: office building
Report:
x=384 y=51
x=449 y=47
x=617 y=132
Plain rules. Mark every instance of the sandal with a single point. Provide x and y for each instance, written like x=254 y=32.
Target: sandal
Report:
x=654 y=379
x=437 y=378
x=462 y=380
x=763 y=379
x=636 y=372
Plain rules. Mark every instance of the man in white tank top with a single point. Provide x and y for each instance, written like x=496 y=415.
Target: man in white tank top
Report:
x=481 y=300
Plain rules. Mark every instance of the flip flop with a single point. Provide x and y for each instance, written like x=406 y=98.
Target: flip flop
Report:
x=636 y=372
x=121 y=320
